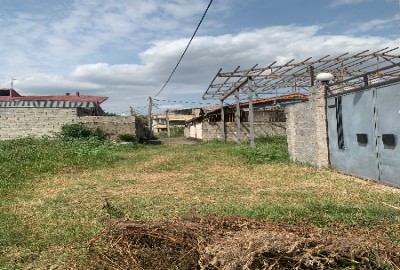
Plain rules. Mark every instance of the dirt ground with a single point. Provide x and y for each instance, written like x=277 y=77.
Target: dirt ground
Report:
x=214 y=242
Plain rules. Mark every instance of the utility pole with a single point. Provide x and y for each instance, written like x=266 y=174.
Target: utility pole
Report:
x=150 y=120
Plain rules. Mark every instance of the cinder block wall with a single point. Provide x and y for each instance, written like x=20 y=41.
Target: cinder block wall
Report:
x=37 y=122
x=212 y=131
x=23 y=122
x=113 y=125
x=306 y=129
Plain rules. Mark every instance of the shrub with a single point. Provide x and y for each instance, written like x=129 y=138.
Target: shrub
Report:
x=77 y=131
x=127 y=137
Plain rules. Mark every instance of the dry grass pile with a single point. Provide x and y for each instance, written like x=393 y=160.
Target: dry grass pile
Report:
x=215 y=242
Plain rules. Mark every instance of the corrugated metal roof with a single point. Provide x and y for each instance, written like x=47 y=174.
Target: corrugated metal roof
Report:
x=47 y=104
x=279 y=99
x=67 y=98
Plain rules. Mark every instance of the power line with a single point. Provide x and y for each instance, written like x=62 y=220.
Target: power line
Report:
x=181 y=101
x=187 y=47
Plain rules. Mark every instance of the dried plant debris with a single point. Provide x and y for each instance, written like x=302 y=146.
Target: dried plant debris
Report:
x=214 y=242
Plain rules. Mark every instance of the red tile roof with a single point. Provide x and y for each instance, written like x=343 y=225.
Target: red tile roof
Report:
x=16 y=97
x=295 y=96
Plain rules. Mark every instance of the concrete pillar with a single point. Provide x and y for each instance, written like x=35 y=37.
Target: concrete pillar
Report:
x=306 y=129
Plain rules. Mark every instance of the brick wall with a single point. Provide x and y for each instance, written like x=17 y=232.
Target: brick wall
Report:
x=307 y=131
x=37 y=122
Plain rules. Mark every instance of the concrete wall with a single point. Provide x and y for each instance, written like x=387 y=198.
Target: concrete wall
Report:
x=209 y=131
x=22 y=122
x=37 y=122
x=113 y=125
x=307 y=129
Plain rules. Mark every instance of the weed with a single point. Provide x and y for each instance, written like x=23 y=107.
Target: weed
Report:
x=77 y=131
x=127 y=137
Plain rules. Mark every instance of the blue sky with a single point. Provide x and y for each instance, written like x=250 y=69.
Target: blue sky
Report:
x=126 y=49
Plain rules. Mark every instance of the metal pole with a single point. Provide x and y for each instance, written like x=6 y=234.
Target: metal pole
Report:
x=239 y=135
x=223 y=121
x=150 y=120
x=251 y=112
x=167 y=119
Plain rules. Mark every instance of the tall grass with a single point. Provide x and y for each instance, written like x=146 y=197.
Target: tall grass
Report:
x=268 y=149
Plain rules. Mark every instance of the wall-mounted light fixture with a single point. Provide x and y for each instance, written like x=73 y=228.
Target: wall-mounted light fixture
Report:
x=324 y=77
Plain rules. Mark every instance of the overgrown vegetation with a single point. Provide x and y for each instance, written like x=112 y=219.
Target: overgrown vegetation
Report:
x=57 y=195
x=77 y=131
x=175 y=132
x=127 y=138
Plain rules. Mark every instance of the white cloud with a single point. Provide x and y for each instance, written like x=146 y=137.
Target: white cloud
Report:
x=86 y=30
x=131 y=84
x=126 y=49
x=374 y=25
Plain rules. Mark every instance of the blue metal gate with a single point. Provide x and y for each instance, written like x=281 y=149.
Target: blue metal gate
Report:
x=363 y=130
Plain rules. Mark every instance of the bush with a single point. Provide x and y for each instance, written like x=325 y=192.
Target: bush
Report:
x=127 y=137
x=77 y=131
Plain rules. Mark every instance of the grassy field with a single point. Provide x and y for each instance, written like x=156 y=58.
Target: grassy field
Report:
x=56 y=195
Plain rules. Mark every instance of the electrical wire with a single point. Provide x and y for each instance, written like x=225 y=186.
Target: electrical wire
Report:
x=181 y=101
x=187 y=47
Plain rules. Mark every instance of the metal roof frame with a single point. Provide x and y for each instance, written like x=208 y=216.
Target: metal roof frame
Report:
x=350 y=71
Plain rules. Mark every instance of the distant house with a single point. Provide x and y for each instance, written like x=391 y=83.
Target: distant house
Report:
x=22 y=116
x=265 y=110
x=85 y=105
x=269 y=119
x=174 y=118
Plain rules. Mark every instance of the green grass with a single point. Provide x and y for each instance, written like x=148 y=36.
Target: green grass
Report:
x=24 y=161
x=54 y=192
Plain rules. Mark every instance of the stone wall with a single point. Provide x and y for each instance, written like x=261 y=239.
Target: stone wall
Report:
x=210 y=131
x=307 y=129
x=37 y=122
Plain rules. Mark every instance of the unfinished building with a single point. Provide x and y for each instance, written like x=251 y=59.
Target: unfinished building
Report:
x=351 y=119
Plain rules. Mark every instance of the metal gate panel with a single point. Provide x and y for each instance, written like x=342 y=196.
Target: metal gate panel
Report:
x=358 y=153
x=388 y=133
